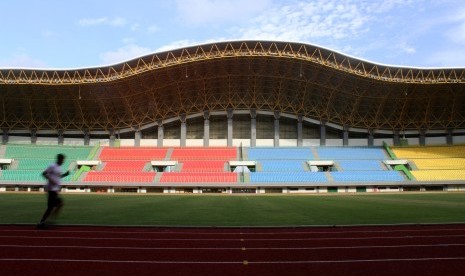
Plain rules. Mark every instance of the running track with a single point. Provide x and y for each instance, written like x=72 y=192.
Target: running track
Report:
x=105 y=251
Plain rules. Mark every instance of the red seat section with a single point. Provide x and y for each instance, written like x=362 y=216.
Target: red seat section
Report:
x=203 y=166
x=126 y=166
x=220 y=153
x=133 y=153
x=102 y=176
x=221 y=177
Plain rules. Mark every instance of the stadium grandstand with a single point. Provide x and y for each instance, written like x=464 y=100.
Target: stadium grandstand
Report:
x=236 y=117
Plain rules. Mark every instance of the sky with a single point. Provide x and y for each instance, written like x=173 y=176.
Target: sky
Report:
x=65 y=34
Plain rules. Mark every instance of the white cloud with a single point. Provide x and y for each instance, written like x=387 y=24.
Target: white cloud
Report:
x=217 y=11
x=309 y=20
x=114 y=22
x=124 y=53
x=48 y=33
x=176 y=45
x=153 y=29
x=186 y=43
x=22 y=61
x=403 y=46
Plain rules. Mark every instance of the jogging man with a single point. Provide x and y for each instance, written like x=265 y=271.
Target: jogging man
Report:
x=54 y=202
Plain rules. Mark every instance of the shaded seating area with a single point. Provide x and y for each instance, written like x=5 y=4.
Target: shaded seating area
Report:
x=126 y=164
x=31 y=160
x=202 y=165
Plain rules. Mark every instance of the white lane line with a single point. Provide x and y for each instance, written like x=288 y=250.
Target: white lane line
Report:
x=232 y=262
x=233 y=248
x=231 y=239
x=360 y=261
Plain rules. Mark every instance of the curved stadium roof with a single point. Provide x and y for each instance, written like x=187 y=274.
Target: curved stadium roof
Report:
x=292 y=78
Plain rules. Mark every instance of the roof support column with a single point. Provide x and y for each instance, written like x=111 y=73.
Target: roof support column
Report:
x=299 y=131
x=371 y=138
x=422 y=137
x=323 y=133
x=160 y=133
x=396 y=138
x=230 y=127
x=61 y=138
x=277 y=115
x=449 y=137
x=86 y=137
x=5 y=136
x=33 y=136
x=137 y=137
x=206 y=128
x=345 y=135
x=253 y=127
x=183 y=129
x=112 y=138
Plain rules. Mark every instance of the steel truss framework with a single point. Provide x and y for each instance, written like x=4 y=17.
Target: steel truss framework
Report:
x=293 y=78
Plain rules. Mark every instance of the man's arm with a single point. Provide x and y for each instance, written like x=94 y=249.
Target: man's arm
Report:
x=65 y=174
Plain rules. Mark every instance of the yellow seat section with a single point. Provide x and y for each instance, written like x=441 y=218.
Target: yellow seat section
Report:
x=438 y=175
x=440 y=164
x=429 y=152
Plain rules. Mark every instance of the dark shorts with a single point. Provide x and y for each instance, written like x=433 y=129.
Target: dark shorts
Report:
x=53 y=200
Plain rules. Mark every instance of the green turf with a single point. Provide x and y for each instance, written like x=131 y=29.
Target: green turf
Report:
x=240 y=210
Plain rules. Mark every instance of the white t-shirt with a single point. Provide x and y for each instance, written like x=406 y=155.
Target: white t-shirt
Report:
x=54 y=177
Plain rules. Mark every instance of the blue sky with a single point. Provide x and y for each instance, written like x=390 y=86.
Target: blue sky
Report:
x=88 y=33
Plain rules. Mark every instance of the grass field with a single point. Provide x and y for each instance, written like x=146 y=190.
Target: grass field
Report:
x=238 y=210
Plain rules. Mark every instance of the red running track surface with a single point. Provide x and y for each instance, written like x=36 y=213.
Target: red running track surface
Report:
x=78 y=250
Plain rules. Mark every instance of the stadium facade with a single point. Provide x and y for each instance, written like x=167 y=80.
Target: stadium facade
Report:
x=250 y=93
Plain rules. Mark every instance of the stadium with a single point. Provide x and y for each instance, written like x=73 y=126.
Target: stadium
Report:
x=262 y=119
x=242 y=116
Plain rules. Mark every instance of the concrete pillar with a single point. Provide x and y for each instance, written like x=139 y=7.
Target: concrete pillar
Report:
x=112 y=138
x=277 y=115
x=5 y=136
x=33 y=136
x=86 y=137
x=345 y=136
x=323 y=133
x=449 y=137
x=396 y=138
x=160 y=134
x=422 y=137
x=253 y=127
x=206 y=128
x=137 y=137
x=299 y=131
x=371 y=138
x=61 y=137
x=230 y=127
x=183 y=130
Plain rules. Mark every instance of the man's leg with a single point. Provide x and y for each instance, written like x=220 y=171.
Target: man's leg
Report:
x=51 y=203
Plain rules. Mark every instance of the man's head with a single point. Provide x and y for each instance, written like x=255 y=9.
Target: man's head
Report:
x=60 y=159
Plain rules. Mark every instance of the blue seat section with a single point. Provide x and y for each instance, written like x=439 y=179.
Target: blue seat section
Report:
x=287 y=177
x=282 y=165
x=360 y=165
x=351 y=153
x=365 y=176
x=280 y=153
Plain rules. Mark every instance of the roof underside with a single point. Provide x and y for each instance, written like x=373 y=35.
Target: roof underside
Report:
x=291 y=78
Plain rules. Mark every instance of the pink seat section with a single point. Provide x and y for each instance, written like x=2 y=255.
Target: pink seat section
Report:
x=217 y=153
x=102 y=176
x=125 y=166
x=203 y=166
x=133 y=153
x=203 y=177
